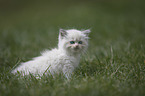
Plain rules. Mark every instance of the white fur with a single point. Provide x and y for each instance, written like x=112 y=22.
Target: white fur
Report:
x=63 y=59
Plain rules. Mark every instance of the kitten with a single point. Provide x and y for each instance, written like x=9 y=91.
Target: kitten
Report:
x=63 y=59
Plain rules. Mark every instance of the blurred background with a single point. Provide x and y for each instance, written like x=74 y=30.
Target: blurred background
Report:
x=32 y=14
x=33 y=25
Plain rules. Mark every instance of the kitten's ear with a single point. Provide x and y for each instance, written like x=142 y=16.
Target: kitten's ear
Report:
x=86 y=32
x=62 y=32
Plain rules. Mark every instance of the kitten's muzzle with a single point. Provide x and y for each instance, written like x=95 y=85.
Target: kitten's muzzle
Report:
x=76 y=47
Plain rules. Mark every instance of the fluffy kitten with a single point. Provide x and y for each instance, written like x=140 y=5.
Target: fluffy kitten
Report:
x=63 y=59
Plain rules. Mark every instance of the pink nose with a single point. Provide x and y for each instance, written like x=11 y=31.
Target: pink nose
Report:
x=76 y=44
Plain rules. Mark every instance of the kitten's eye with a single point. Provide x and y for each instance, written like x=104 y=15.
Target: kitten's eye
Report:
x=72 y=42
x=80 y=42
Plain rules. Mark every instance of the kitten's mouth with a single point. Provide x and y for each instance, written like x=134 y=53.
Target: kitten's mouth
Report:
x=76 y=49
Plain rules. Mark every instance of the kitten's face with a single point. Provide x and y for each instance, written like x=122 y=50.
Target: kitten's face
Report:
x=76 y=45
x=75 y=41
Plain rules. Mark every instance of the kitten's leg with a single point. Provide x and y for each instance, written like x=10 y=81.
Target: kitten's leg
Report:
x=67 y=70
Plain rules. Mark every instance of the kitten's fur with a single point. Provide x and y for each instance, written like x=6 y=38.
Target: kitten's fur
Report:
x=63 y=59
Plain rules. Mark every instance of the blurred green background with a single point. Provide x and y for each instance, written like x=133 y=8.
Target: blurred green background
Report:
x=35 y=22
x=115 y=58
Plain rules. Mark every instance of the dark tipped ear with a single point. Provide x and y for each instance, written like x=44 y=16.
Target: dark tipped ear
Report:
x=62 y=32
x=86 y=32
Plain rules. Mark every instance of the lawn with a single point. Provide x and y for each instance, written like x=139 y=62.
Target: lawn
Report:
x=114 y=64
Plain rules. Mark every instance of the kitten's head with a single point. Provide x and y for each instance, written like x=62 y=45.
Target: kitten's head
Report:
x=73 y=41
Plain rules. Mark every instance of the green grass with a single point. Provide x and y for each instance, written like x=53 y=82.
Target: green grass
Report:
x=113 y=66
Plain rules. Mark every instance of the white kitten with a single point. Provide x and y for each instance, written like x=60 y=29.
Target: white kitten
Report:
x=63 y=59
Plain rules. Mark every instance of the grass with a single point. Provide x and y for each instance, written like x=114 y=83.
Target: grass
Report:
x=113 y=66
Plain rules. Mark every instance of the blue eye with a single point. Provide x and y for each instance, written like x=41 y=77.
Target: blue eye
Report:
x=72 y=42
x=80 y=42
